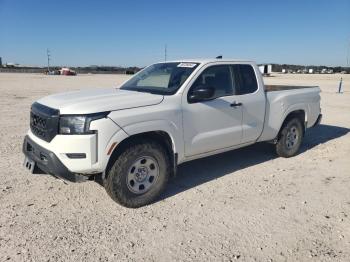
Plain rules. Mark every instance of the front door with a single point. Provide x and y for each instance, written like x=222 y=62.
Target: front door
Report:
x=217 y=123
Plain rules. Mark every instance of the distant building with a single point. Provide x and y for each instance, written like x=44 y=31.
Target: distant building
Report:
x=0 y=62
x=10 y=65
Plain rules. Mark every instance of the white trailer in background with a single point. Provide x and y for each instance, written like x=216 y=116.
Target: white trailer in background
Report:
x=311 y=71
x=265 y=69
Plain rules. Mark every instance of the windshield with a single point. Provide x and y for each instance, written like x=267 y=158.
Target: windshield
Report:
x=162 y=78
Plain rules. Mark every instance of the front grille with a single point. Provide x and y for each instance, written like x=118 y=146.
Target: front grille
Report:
x=39 y=121
x=44 y=121
x=38 y=125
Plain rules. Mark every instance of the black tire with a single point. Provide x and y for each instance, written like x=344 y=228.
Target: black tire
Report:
x=116 y=181
x=292 y=128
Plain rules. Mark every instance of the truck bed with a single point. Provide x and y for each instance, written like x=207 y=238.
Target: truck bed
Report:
x=270 y=88
x=280 y=100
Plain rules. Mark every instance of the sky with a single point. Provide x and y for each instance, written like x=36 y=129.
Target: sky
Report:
x=134 y=32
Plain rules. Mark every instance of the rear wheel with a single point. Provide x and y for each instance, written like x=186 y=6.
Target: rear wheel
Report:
x=138 y=175
x=290 y=138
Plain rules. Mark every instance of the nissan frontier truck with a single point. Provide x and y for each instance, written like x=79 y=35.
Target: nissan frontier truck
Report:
x=132 y=138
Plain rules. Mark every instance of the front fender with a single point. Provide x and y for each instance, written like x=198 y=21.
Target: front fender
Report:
x=113 y=142
x=159 y=125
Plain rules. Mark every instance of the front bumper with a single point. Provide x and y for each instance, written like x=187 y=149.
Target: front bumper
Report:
x=47 y=162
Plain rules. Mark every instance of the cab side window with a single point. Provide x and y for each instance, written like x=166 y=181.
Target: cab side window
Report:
x=245 y=78
x=218 y=77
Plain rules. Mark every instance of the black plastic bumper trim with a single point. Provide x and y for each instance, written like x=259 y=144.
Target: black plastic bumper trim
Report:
x=76 y=155
x=48 y=162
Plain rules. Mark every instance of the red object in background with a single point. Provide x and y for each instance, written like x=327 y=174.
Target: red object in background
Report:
x=67 y=72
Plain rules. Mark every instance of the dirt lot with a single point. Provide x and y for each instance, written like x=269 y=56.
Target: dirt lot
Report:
x=245 y=205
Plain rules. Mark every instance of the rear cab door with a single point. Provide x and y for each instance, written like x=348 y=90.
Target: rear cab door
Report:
x=250 y=92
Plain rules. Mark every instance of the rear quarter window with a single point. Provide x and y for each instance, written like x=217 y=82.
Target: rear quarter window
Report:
x=245 y=79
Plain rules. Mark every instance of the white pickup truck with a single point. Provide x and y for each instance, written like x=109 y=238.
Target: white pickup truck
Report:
x=132 y=138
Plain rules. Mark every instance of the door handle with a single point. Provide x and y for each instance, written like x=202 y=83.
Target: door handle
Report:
x=234 y=104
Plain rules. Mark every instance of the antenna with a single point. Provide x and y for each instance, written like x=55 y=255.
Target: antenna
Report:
x=165 y=52
x=48 y=59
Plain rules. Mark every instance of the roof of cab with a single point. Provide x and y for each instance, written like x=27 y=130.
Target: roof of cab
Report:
x=207 y=60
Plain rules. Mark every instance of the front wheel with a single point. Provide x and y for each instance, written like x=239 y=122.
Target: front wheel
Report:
x=290 y=138
x=138 y=175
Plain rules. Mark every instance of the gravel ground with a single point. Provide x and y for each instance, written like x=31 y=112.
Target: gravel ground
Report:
x=245 y=205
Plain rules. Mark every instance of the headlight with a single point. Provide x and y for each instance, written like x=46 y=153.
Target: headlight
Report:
x=78 y=124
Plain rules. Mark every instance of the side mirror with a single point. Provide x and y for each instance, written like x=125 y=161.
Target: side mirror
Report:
x=202 y=93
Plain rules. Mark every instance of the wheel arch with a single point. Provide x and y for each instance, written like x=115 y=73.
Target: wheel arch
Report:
x=299 y=114
x=159 y=136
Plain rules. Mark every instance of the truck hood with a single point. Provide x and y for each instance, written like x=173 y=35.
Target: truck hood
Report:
x=99 y=100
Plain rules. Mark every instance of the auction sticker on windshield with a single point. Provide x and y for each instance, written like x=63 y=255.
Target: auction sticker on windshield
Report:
x=189 y=65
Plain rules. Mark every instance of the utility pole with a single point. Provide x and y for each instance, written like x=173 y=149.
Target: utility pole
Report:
x=165 y=52
x=48 y=59
x=347 y=57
